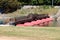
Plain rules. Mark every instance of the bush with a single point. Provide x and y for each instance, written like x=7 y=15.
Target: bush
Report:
x=9 y=5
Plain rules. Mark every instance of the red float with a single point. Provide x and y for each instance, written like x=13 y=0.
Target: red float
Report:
x=28 y=24
x=50 y=19
x=20 y=25
x=43 y=22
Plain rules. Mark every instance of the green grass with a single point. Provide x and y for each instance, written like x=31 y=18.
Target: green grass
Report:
x=35 y=33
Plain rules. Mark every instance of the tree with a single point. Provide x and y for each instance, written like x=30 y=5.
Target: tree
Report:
x=58 y=2
x=25 y=1
x=9 y=5
x=40 y=1
x=47 y=2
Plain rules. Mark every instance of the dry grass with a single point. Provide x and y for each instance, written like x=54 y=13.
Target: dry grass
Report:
x=34 y=10
x=32 y=33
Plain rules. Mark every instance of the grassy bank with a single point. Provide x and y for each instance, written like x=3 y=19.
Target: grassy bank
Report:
x=34 y=33
x=39 y=10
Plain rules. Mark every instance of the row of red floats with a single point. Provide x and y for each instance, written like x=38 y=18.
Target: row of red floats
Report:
x=43 y=22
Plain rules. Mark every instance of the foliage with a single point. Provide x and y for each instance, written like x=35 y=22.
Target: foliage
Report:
x=12 y=5
x=9 y=5
x=40 y=2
